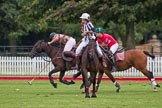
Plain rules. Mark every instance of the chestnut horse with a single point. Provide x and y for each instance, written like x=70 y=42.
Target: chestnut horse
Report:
x=55 y=54
x=133 y=58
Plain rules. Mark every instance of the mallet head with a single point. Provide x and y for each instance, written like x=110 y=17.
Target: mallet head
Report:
x=29 y=82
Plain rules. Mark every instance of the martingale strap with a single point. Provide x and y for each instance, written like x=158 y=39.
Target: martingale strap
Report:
x=67 y=65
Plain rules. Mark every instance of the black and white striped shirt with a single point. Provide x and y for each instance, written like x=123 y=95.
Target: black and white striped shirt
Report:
x=89 y=27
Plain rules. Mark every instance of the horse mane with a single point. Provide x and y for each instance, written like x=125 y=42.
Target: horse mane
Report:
x=86 y=59
x=59 y=46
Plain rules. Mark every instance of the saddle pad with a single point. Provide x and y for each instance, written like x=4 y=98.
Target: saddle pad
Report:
x=119 y=56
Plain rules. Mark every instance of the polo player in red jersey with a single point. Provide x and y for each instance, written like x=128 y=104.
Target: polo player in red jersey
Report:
x=108 y=41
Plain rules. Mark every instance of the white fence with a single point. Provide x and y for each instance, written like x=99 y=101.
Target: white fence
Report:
x=28 y=66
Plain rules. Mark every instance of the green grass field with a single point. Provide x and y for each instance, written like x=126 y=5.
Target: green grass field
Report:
x=18 y=94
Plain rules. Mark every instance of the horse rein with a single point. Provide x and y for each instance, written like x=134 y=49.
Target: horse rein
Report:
x=42 y=57
x=37 y=54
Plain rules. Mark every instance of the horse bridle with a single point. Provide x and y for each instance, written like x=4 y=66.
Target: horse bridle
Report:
x=39 y=55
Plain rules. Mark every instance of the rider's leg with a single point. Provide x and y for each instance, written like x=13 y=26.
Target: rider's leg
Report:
x=101 y=55
x=111 y=53
x=77 y=61
x=111 y=56
x=78 y=52
x=68 y=46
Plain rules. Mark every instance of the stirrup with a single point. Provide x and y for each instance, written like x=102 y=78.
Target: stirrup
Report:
x=75 y=68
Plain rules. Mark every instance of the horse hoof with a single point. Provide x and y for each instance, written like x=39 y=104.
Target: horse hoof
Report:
x=65 y=82
x=55 y=85
x=96 y=88
x=82 y=92
x=75 y=76
x=72 y=82
x=155 y=90
x=87 y=96
x=117 y=90
x=82 y=86
x=93 y=96
x=158 y=85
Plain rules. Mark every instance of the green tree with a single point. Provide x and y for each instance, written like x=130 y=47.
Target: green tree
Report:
x=121 y=18
x=127 y=12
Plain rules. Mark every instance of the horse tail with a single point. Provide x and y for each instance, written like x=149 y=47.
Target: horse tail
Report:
x=150 y=55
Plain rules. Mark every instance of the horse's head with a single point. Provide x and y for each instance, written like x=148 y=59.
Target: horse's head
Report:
x=37 y=48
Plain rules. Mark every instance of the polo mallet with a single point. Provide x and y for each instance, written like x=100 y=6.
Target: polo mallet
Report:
x=30 y=82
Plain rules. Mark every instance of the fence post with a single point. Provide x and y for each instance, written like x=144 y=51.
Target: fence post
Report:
x=33 y=66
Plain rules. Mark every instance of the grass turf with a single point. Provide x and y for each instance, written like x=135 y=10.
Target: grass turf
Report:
x=18 y=94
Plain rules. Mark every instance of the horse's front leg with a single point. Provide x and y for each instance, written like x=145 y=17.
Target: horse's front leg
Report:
x=85 y=80
x=99 y=80
x=51 y=78
x=108 y=73
x=93 y=80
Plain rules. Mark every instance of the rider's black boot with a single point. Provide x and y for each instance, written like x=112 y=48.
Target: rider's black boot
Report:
x=114 y=64
x=111 y=56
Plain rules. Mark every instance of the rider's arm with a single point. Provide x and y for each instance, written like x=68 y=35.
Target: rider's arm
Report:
x=53 y=40
x=102 y=44
x=86 y=32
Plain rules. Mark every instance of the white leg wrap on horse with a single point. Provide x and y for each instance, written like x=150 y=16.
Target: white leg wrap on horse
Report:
x=153 y=82
x=97 y=84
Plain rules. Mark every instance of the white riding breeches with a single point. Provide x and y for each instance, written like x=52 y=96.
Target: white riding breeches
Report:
x=70 y=44
x=84 y=43
x=114 y=48
x=99 y=49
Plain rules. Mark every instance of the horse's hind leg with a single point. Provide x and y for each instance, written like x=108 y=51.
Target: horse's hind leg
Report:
x=108 y=73
x=150 y=76
x=62 y=73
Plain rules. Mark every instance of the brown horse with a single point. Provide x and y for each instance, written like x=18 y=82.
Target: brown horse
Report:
x=133 y=58
x=90 y=62
x=55 y=54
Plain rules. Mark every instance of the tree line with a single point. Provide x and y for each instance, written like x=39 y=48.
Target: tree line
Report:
x=23 y=22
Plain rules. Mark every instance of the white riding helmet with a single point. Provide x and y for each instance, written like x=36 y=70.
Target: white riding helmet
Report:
x=85 y=16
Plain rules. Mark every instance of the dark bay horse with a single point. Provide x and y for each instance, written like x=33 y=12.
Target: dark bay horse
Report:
x=55 y=54
x=90 y=62
x=137 y=59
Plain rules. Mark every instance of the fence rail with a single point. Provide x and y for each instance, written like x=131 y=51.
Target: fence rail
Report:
x=27 y=66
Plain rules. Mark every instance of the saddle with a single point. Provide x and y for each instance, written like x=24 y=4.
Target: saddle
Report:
x=69 y=56
x=119 y=54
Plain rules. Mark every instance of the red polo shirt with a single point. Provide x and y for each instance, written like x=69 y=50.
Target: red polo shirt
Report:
x=107 y=39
